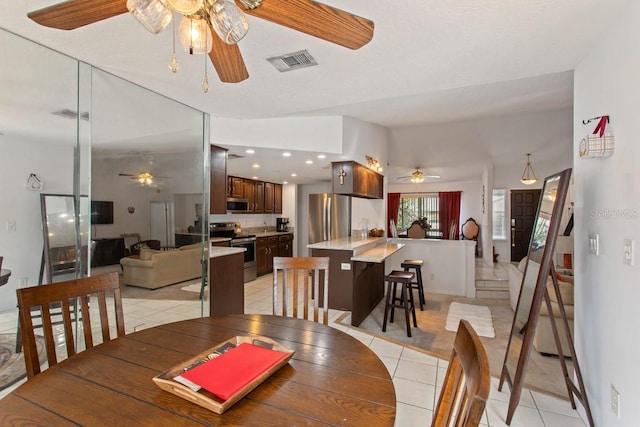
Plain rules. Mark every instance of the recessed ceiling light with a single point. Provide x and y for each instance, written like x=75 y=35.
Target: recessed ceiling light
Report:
x=254 y=177
x=249 y=151
x=285 y=182
x=255 y=165
x=286 y=154
x=309 y=162
x=322 y=156
x=294 y=174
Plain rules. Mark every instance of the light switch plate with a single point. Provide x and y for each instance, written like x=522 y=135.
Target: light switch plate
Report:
x=594 y=244
x=627 y=252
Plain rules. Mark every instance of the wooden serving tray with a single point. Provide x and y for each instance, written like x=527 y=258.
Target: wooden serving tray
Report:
x=206 y=399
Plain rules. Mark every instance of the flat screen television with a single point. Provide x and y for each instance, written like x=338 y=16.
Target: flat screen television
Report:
x=101 y=212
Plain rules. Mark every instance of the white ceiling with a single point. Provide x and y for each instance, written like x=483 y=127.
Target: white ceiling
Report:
x=430 y=61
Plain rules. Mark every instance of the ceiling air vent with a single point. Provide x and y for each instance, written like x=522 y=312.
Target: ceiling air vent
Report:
x=293 y=61
x=70 y=114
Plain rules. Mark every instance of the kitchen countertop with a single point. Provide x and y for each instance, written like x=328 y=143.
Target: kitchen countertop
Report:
x=355 y=244
x=269 y=233
x=220 y=251
x=378 y=253
x=219 y=239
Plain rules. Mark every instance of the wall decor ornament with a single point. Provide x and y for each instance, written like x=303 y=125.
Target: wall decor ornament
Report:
x=599 y=143
x=34 y=183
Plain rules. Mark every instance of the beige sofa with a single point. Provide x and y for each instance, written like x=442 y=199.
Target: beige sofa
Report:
x=155 y=269
x=543 y=340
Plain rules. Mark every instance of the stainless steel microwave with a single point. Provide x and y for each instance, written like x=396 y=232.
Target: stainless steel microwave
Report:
x=237 y=205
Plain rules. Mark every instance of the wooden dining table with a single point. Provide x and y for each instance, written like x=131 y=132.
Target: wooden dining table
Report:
x=333 y=379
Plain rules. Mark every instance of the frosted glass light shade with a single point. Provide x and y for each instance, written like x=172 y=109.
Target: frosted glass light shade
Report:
x=228 y=21
x=154 y=15
x=185 y=7
x=195 y=36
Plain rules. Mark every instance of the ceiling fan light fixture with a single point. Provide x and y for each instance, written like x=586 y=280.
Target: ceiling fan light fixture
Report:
x=251 y=4
x=228 y=21
x=195 y=36
x=528 y=176
x=154 y=15
x=185 y=7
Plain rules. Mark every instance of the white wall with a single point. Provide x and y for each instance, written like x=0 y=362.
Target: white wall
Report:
x=607 y=202
x=22 y=248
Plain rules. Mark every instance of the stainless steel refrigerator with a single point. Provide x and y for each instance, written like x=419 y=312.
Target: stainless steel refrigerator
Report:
x=329 y=217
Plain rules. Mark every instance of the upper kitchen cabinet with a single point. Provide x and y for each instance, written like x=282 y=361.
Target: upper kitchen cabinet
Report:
x=277 y=198
x=352 y=179
x=218 y=181
x=235 y=187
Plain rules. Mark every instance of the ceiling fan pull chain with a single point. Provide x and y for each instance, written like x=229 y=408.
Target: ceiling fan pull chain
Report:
x=205 y=82
x=174 y=66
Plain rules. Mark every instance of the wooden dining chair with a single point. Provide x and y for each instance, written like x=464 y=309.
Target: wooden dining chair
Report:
x=304 y=272
x=39 y=302
x=466 y=385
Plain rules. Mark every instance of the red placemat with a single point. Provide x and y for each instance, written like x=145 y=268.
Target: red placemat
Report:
x=228 y=373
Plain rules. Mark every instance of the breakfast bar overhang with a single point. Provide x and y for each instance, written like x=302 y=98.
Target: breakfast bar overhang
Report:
x=356 y=272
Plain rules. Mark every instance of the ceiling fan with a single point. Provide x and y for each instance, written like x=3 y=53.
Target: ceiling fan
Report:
x=144 y=178
x=307 y=16
x=417 y=176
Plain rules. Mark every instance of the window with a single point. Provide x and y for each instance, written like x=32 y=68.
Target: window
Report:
x=499 y=218
x=416 y=205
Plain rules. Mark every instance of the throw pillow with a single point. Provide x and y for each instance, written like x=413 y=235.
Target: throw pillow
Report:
x=566 y=292
x=145 y=254
x=522 y=264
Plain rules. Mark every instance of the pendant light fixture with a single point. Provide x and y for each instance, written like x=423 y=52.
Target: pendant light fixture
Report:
x=185 y=7
x=528 y=176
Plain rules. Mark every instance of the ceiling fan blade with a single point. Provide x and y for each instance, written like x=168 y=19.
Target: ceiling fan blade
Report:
x=126 y=174
x=228 y=62
x=73 y=14
x=316 y=19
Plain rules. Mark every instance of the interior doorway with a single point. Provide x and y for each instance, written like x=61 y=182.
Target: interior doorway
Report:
x=524 y=206
x=161 y=221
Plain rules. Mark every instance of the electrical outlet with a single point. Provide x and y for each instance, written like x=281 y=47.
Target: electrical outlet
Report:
x=345 y=266
x=615 y=401
x=11 y=226
x=22 y=283
x=433 y=277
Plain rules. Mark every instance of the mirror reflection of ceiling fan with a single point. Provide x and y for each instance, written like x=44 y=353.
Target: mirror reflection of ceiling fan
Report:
x=143 y=178
x=417 y=176
x=225 y=17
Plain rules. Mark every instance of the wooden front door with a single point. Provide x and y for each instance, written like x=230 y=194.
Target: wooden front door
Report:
x=524 y=207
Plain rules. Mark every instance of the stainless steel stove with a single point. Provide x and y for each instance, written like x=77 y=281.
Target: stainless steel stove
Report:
x=246 y=241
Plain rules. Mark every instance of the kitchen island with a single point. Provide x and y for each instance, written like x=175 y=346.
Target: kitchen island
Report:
x=226 y=280
x=356 y=272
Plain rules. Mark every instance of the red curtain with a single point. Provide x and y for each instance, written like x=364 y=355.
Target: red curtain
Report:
x=393 y=203
x=449 y=213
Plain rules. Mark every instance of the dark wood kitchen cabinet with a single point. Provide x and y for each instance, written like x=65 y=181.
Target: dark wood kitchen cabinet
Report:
x=249 y=193
x=277 y=198
x=269 y=196
x=353 y=179
x=285 y=245
x=259 y=196
x=266 y=249
x=235 y=187
x=218 y=180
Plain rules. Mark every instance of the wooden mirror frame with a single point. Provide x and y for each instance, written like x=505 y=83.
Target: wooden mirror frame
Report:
x=531 y=303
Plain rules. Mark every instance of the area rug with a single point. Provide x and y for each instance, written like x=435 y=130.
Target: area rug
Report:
x=543 y=374
x=479 y=316
x=12 y=367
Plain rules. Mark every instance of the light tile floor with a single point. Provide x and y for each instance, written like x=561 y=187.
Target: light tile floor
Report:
x=417 y=376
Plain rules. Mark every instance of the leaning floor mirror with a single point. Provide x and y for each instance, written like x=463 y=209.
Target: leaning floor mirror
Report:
x=538 y=271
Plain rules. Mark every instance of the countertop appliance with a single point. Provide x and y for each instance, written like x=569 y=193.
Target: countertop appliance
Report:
x=246 y=241
x=329 y=217
x=282 y=224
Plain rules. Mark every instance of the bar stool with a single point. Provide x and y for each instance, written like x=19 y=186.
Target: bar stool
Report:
x=405 y=300
x=417 y=265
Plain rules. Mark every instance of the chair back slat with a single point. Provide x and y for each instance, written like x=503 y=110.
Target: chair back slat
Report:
x=305 y=272
x=72 y=298
x=465 y=391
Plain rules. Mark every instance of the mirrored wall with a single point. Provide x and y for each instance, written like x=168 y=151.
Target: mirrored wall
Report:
x=119 y=148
